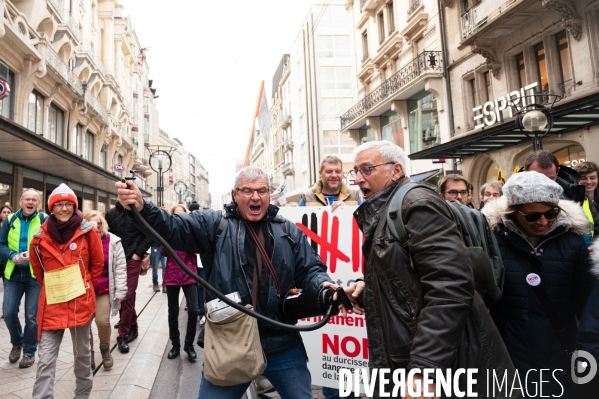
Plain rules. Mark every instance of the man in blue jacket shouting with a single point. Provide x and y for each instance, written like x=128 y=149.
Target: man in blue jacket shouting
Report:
x=234 y=263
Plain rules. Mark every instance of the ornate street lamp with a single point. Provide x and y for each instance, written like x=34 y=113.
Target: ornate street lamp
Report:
x=180 y=188
x=160 y=160
x=536 y=120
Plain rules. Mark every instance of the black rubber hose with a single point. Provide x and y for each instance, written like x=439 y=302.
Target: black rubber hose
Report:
x=148 y=230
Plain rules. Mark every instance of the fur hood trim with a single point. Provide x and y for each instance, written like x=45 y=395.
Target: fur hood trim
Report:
x=595 y=258
x=572 y=216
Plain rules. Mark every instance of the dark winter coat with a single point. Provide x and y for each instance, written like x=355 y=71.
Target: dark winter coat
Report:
x=173 y=274
x=294 y=260
x=133 y=240
x=563 y=259
x=426 y=316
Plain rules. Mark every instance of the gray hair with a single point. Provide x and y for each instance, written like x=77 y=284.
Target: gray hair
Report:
x=32 y=190
x=389 y=151
x=332 y=160
x=251 y=173
x=495 y=184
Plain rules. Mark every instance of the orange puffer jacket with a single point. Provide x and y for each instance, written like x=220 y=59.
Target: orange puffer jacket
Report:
x=84 y=248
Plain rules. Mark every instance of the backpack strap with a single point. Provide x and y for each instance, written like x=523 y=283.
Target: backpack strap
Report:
x=395 y=222
x=12 y=220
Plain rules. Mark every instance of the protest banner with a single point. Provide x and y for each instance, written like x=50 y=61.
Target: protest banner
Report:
x=342 y=343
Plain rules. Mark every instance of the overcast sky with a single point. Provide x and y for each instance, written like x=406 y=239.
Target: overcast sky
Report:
x=207 y=59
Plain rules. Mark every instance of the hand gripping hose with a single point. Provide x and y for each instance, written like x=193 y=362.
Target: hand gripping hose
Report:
x=148 y=230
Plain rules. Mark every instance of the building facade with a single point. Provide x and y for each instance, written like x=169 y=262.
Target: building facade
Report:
x=401 y=94
x=80 y=108
x=509 y=54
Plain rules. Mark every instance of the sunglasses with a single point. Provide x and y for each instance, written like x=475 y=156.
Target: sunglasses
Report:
x=534 y=216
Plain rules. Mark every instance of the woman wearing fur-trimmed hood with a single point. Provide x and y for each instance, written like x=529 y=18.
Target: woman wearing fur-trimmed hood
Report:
x=534 y=227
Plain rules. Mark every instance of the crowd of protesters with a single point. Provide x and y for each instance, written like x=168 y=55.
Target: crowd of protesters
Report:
x=546 y=216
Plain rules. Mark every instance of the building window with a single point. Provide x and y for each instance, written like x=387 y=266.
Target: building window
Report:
x=542 y=67
x=335 y=78
x=146 y=106
x=488 y=85
x=391 y=17
x=391 y=128
x=564 y=58
x=365 y=45
x=333 y=17
x=76 y=139
x=104 y=155
x=56 y=125
x=88 y=146
x=335 y=143
x=332 y=108
x=423 y=121
x=135 y=110
x=146 y=130
x=521 y=69
x=333 y=46
x=136 y=82
x=381 y=21
x=35 y=105
x=472 y=84
x=7 y=103
x=366 y=134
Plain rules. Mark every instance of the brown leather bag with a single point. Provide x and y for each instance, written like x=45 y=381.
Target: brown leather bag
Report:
x=145 y=265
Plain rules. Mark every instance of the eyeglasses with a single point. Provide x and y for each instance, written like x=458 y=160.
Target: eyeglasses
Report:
x=248 y=192
x=67 y=205
x=534 y=216
x=455 y=193
x=366 y=170
x=29 y=199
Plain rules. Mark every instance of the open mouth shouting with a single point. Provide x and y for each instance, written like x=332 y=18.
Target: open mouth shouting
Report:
x=366 y=192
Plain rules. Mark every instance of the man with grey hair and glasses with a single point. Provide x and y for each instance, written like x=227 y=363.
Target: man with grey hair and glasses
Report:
x=15 y=237
x=419 y=301
x=235 y=261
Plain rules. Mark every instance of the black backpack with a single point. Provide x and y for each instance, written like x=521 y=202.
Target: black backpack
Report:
x=487 y=266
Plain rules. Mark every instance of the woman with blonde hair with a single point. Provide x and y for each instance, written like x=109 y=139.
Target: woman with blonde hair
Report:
x=111 y=287
x=175 y=279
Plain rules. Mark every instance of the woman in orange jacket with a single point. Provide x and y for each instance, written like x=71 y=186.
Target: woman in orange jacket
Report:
x=67 y=260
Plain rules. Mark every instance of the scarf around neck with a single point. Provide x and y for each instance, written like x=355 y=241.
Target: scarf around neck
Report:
x=62 y=233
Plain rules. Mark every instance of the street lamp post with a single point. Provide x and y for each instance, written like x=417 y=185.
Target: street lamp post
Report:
x=160 y=159
x=536 y=119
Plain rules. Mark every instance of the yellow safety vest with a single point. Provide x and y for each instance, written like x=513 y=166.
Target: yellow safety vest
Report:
x=586 y=207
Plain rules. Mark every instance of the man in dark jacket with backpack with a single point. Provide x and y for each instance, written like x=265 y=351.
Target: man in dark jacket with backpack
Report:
x=421 y=309
x=235 y=262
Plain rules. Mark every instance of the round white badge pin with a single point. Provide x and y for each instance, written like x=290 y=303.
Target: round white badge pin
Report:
x=73 y=246
x=533 y=279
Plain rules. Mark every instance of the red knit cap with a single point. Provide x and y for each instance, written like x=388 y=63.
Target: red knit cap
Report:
x=62 y=193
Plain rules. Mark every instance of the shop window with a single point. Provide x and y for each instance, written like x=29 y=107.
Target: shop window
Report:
x=35 y=180
x=542 y=66
x=571 y=156
x=366 y=134
x=423 y=122
x=35 y=105
x=6 y=180
x=56 y=125
x=521 y=69
x=88 y=199
x=391 y=128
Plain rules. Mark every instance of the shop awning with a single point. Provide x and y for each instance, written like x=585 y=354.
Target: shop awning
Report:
x=424 y=175
x=566 y=118
x=22 y=147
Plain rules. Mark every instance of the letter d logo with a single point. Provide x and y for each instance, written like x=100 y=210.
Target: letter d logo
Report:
x=583 y=367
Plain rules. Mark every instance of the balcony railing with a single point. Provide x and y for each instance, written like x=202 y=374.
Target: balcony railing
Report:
x=70 y=23
x=427 y=61
x=288 y=169
x=87 y=49
x=413 y=7
x=483 y=13
x=60 y=67
x=366 y=56
x=99 y=108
